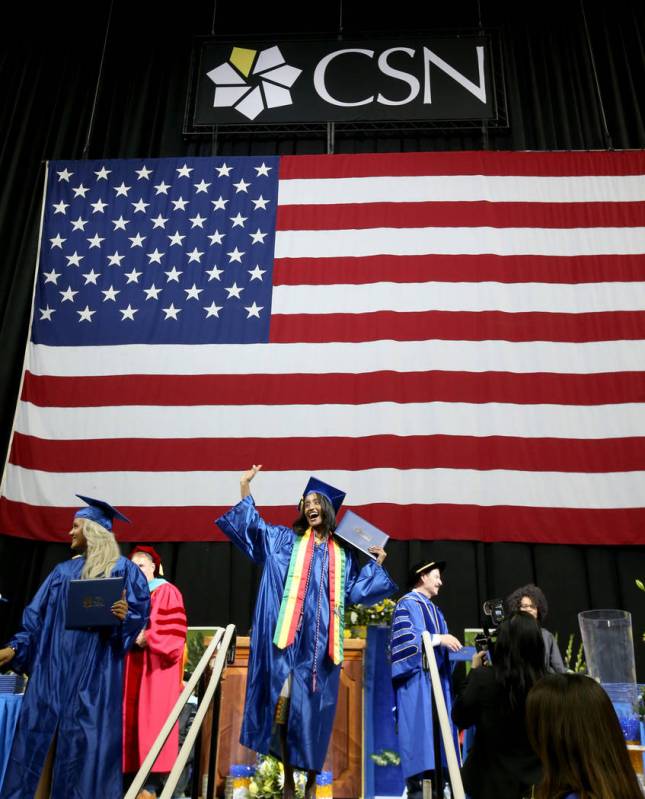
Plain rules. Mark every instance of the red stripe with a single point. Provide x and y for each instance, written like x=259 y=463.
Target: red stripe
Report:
x=463 y=163
x=406 y=522
x=460 y=268
x=312 y=389
x=358 y=216
x=280 y=454
x=457 y=326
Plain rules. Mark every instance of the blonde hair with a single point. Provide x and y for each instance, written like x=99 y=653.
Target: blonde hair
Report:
x=102 y=551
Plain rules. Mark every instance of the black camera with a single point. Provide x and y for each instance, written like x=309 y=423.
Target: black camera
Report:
x=493 y=616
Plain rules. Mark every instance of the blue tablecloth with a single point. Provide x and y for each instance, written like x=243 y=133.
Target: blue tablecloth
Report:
x=9 y=712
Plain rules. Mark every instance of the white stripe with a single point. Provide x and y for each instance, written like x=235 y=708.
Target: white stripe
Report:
x=351 y=421
x=462 y=188
x=459 y=241
x=414 y=486
x=339 y=357
x=485 y=296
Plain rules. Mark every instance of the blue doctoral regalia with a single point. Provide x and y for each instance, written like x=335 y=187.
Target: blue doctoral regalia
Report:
x=414 y=614
x=311 y=713
x=75 y=690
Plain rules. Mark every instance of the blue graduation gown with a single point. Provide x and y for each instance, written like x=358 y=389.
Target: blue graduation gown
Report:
x=311 y=714
x=414 y=614
x=75 y=691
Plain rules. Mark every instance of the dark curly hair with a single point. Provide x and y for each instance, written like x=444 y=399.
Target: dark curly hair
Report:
x=535 y=594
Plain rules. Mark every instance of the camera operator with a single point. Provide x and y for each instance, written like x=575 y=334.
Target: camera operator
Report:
x=501 y=763
x=531 y=599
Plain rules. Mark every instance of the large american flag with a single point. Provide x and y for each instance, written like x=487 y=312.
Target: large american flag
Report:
x=455 y=339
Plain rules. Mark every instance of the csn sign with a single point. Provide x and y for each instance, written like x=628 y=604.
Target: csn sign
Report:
x=442 y=78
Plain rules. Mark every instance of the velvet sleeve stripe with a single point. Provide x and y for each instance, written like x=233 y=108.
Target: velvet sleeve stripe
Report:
x=169 y=611
x=402 y=654
x=176 y=618
x=404 y=638
x=178 y=631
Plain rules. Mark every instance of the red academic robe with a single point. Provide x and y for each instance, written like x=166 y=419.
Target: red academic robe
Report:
x=152 y=682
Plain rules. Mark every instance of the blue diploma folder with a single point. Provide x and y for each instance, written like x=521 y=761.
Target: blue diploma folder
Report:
x=89 y=602
x=360 y=533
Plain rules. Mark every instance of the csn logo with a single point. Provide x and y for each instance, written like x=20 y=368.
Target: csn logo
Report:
x=271 y=80
x=252 y=81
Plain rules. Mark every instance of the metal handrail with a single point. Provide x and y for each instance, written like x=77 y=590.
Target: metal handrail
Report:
x=221 y=642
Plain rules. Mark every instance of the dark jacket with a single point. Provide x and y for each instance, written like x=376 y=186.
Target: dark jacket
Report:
x=552 y=656
x=501 y=763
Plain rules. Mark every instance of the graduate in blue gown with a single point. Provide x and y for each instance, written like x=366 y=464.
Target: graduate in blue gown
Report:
x=69 y=731
x=415 y=613
x=299 y=671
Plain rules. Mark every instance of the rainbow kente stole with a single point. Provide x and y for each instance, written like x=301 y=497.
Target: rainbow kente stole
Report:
x=295 y=589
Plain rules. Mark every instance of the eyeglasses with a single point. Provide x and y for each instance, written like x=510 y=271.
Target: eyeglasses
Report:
x=528 y=607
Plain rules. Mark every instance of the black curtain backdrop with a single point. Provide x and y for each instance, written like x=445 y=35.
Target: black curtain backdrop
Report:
x=574 y=75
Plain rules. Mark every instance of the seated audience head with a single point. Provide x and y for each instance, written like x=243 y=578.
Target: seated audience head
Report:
x=518 y=657
x=574 y=730
x=529 y=599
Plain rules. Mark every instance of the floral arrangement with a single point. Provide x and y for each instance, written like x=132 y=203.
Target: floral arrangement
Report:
x=381 y=613
x=639 y=706
x=641 y=585
x=578 y=665
x=268 y=780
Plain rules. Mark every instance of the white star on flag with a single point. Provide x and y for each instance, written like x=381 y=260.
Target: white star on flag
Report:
x=193 y=292
x=86 y=314
x=120 y=223
x=212 y=310
x=74 y=259
x=152 y=293
x=214 y=273
x=110 y=294
x=46 y=313
x=128 y=313
x=234 y=291
x=115 y=259
x=171 y=312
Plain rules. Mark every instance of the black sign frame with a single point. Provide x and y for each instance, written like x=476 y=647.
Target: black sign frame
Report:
x=196 y=125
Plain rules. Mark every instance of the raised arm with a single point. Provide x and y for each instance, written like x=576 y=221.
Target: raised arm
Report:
x=245 y=480
x=246 y=528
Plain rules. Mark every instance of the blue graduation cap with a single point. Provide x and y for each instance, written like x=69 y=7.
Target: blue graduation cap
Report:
x=99 y=511
x=334 y=495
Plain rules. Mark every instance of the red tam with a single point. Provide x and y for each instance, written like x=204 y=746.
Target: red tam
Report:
x=153 y=554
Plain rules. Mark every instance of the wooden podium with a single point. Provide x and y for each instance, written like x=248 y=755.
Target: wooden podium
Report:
x=345 y=755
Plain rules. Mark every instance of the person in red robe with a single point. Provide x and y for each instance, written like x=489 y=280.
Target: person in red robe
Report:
x=153 y=674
